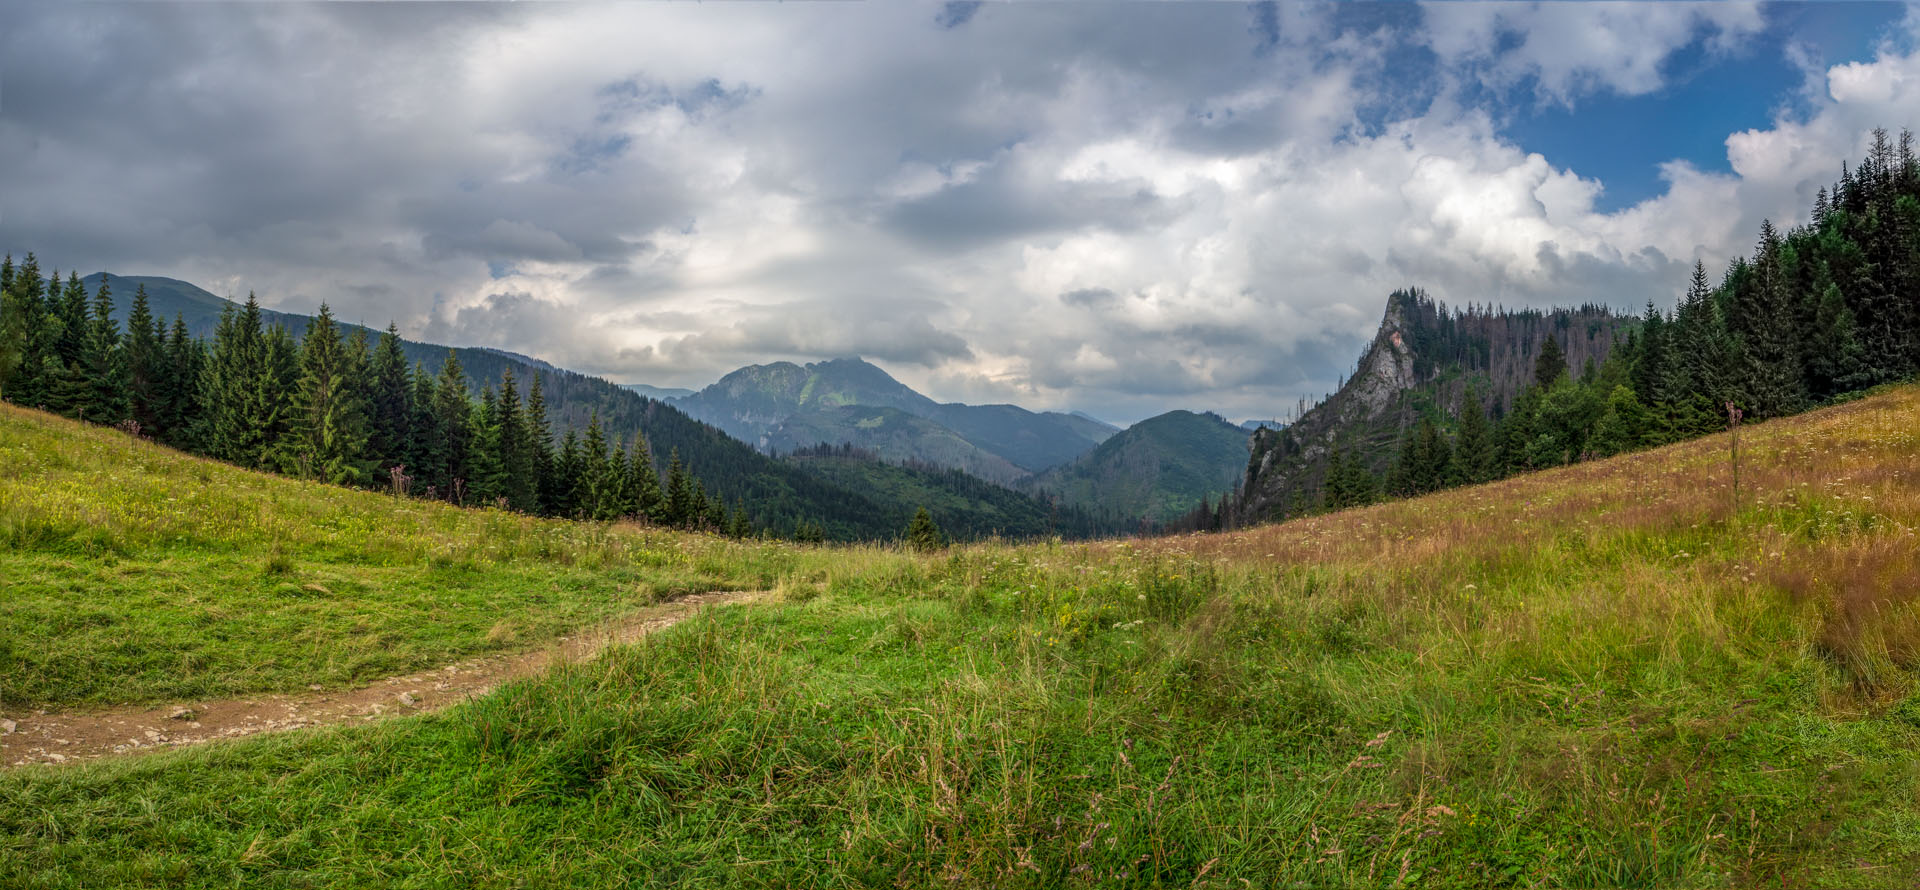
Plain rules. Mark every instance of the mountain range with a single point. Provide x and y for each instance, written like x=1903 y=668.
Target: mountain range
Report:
x=780 y=494
x=1150 y=472
x=1153 y=471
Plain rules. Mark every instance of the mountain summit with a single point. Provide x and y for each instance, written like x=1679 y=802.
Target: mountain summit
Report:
x=784 y=406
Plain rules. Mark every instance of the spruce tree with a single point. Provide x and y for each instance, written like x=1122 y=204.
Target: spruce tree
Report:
x=177 y=392
x=327 y=432
x=68 y=389
x=1474 y=457
x=923 y=534
x=679 y=492
x=590 y=493
x=277 y=393
x=453 y=424
x=146 y=363
x=1772 y=378
x=540 y=444
x=390 y=414
x=14 y=319
x=643 y=482
x=426 y=460
x=1551 y=362
x=36 y=324
x=486 y=480
x=103 y=363
x=567 y=468
x=519 y=482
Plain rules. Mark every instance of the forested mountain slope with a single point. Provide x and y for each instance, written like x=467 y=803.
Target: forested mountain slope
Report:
x=752 y=403
x=1154 y=470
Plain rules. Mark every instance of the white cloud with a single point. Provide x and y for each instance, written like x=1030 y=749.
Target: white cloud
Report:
x=1124 y=213
x=1571 y=49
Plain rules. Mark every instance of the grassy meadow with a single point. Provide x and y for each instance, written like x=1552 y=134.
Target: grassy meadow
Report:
x=1614 y=674
x=134 y=573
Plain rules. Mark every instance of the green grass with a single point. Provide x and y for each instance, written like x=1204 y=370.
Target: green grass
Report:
x=133 y=573
x=1608 y=675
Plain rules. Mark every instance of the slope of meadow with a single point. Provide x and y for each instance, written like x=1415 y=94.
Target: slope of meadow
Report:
x=1614 y=674
x=135 y=573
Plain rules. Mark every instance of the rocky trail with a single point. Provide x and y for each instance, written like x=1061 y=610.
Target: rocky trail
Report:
x=39 y=737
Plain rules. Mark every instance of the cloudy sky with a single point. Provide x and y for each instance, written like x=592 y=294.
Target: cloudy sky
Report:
x=1116 y=207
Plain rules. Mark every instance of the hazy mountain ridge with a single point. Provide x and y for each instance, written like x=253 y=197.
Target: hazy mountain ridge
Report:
x=752 y=404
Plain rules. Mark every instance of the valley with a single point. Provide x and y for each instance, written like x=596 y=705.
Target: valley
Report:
x=1639 y=679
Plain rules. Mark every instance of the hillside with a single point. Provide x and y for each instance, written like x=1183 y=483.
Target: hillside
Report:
x=1155 y=470
x=1422 y=363
x=780 y=496
x=966 y=507
x=893 y=435
x=183 y=577
x=752 y=402
x=1639 y=681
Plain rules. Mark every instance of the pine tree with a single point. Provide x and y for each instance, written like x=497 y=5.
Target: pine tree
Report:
x=426 y=461
x=1773 y=380
x=69 y=389
x=590 y=494
x=1551 y=364
x=923 y=534
x=453 y=424
x=146 y=363
x=486 y=475
x=36 y=331
x=177 y=392
x=643 y=482
x=679 y=492
x=327 y=432
x=540 y=444
x=279 y=387
x=567 y=468
x=14 y=319
x=391 y=411
x=1475 y=458
x=519 y=481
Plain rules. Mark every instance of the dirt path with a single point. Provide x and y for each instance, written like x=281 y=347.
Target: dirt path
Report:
x=39 y=737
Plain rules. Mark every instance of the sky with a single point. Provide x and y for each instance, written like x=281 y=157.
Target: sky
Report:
x=1119 y=208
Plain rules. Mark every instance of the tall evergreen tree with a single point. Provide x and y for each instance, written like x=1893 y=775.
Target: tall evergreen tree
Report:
x=679 y=494
x=14 y=320
x=540 y=445
x=278 y=391
x=146 y=363
x=519 y=482
x=1773 y=380
x=1551 y=362
x=453 y=424
x=390 y=414
x=643 y=482
x=177 y=390
x=567 y=468
x=426 y=461
x=327 y=432
x=103 y=364
x=1475 y=459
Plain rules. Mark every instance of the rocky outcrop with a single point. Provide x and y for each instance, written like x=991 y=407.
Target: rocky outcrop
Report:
x=1424 y=359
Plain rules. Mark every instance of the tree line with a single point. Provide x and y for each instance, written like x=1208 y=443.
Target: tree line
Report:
x=344 y=409
x=1825 y=309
